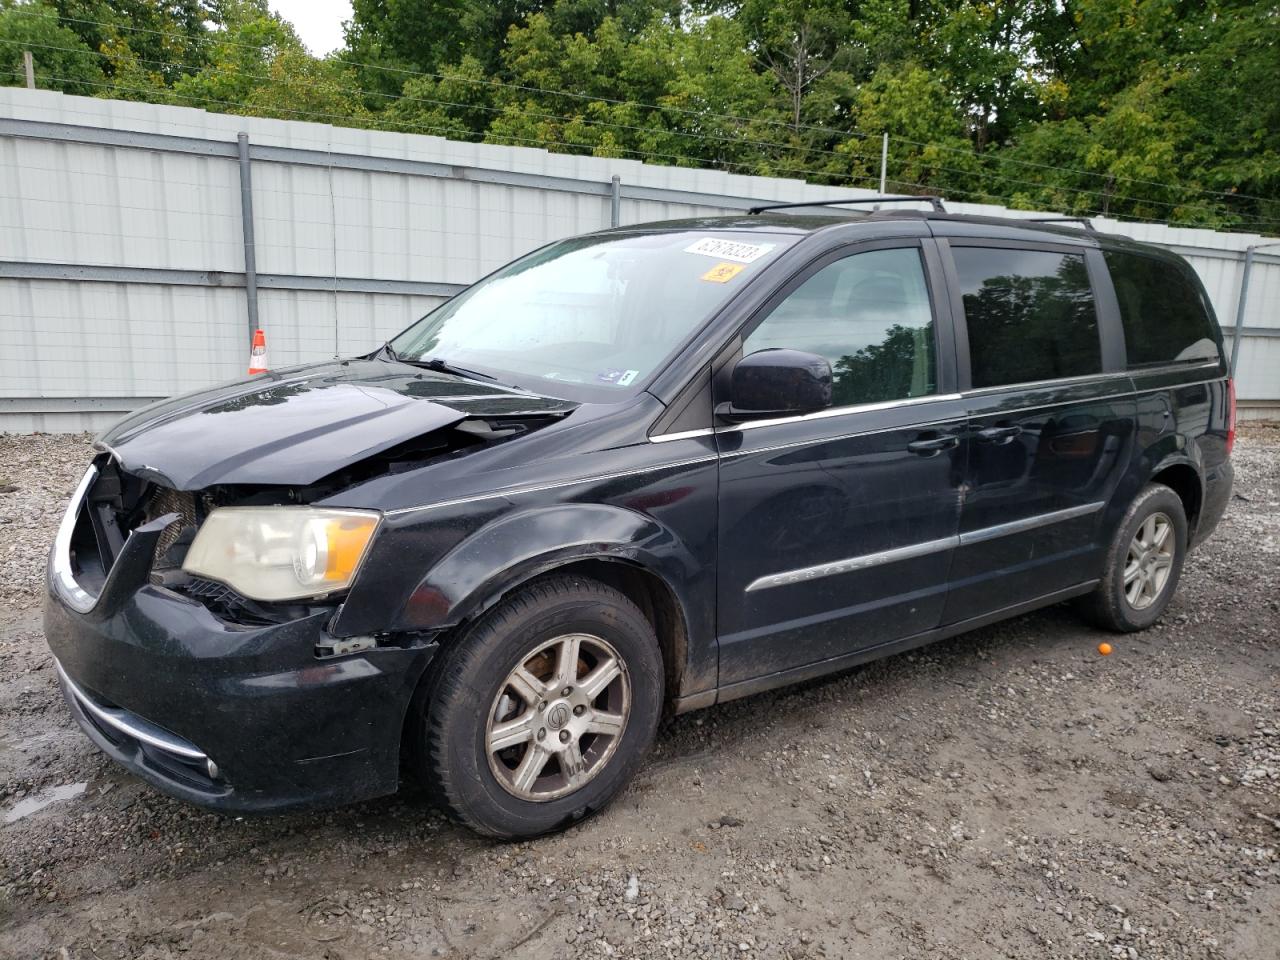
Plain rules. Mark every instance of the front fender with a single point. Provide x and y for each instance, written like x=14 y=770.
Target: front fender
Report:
x=516 y=547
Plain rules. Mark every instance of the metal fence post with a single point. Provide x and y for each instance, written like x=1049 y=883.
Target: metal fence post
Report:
x=246 y=224
x=1242 y=300
x=615 y=201
x=1240 y=306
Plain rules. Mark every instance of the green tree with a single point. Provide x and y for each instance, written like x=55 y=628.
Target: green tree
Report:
x=62 y=60
x=168 y=37
x=239 y=57
x=928 y=147
x=1161 y=109
x=668 y=93
x=459 y=105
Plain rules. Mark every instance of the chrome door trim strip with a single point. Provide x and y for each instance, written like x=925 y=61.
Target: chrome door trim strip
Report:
x=911 y=401
x=1029 y=523
x=956 y=418
x=1077 y=402
x=967 y=395
x=1176 y=367
x=1083 y=379
x=997 y=412
x=1179 y=386
x=130 y=724
x=831 y=412
x=866 y=560
x=515 y=491
x=682 y=435
x=850 y=564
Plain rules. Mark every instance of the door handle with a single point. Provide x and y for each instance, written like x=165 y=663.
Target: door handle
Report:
x=1000 y=435
x=929 y=446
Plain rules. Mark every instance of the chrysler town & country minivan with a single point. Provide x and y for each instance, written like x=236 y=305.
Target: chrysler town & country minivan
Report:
x=650 y=469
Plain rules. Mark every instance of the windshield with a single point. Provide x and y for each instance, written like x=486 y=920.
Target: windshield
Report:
x=591 y=318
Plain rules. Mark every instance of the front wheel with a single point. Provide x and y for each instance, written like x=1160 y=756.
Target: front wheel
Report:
x=540 y=714
x=1143 y=563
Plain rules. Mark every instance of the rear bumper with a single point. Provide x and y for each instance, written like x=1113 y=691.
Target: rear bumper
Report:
x=166 y=689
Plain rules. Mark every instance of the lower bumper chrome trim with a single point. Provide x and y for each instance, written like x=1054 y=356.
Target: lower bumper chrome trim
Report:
x=130 y=725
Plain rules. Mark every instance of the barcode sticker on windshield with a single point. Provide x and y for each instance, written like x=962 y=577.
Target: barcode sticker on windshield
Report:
x=729 y=249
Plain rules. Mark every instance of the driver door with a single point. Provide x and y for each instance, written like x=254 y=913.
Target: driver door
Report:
x=837 y=528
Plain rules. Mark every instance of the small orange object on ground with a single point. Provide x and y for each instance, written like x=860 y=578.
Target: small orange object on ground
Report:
x=1104 y=649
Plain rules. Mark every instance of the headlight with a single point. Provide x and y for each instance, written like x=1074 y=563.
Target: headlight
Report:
x=281 y=553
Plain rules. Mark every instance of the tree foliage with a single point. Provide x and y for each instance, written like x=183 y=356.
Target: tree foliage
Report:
x=1157 y=109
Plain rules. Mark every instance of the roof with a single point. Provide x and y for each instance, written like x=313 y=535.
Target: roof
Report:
x=940 y=223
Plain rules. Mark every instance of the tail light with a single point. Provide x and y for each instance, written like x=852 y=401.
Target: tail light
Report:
x=1231 y=414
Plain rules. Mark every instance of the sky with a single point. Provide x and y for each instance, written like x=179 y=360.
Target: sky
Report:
x=318 y=22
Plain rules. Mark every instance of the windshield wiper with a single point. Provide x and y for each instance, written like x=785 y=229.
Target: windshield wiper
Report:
x=444 y=366
x=439 y=364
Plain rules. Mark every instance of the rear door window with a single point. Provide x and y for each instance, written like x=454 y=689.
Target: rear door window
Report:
x=869 y=315
x=1162 y=311
x=1030 y=315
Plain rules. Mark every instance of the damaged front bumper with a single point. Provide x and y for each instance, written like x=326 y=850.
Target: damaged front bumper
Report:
x=235 y=718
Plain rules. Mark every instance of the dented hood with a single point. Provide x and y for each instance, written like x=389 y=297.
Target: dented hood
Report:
x=295 y=426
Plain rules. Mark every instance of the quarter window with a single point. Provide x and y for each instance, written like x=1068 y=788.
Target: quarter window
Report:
x=869 y=316
x=1162 y=311
x=1030 y=315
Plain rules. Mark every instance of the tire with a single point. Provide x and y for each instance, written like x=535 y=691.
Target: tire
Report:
x=1113 y=605
x=474 y=694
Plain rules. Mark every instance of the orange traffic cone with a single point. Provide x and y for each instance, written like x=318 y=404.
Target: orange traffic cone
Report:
x=258 y=354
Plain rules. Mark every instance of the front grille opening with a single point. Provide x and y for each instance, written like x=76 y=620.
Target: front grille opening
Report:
x=115 y=505
x=89 y=563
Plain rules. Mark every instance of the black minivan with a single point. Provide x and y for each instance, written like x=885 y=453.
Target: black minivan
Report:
x=650 y=469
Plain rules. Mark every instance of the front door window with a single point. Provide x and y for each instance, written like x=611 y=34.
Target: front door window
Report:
x=869 y=316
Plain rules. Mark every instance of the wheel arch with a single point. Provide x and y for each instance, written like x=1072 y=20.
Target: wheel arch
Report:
x=655 y=597
x=1183 y=477
x=629 y=551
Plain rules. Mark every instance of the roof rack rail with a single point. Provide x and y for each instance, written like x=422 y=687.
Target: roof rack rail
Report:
x=935 y=202
x=1088 y=224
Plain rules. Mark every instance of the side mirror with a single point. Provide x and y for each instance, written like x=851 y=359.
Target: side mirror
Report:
x=777 y=383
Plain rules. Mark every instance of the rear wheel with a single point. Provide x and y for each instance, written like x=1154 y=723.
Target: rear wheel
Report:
x=541 y=713
x=1143 y=563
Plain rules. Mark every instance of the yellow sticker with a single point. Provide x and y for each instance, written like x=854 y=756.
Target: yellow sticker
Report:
x=723 y=272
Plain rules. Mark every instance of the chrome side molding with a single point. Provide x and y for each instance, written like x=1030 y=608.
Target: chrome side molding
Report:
x=910 y=552
x=850 y=564
x=1029 y=523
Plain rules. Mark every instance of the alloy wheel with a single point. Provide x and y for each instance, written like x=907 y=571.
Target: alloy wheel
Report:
x=558 y=717
x=1149 y=561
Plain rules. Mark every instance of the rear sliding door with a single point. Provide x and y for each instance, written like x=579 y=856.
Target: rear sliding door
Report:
x=1050 y=421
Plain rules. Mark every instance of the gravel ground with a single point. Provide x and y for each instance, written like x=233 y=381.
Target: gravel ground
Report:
x=1007 y=793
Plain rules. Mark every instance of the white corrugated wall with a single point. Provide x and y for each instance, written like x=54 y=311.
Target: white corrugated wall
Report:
x=74 y=352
